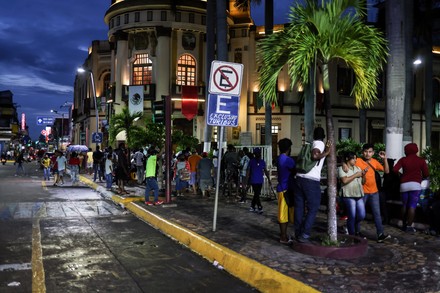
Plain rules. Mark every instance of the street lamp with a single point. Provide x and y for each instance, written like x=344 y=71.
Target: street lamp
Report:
x=82 y=70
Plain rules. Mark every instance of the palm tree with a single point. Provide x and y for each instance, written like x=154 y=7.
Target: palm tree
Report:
x=324 y=33
x=123 y=122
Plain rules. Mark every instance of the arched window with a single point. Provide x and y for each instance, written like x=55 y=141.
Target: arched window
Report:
x=142 y=69
x=186 y=70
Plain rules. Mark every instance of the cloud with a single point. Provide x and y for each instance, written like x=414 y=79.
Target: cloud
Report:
x=32 y=81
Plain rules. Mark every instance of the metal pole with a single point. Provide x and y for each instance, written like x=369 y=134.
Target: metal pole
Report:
x=96 y=104
x=217 y=184
x=168 y=148
x=62 y=130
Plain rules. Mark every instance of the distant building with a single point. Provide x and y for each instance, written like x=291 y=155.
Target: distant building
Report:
x=161 y=46
x=9 y=125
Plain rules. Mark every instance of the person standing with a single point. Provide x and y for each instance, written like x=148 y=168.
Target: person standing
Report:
x=255 y=176
x=244 y=165
x=74 y=167
x=353 y=193
x=193 y=160
x=109 y=172
x=230 y=163
x=371 y=192
x=307 y=189
x=205 y=169
x=90 y=161
x=139 y=160
x=61 y=163
x=181 y=181
x=122 y=170
x=151 y=177
x=285 y=171
x=414 y=170
x=45 y=163
x=19 y=161
x=97 y=158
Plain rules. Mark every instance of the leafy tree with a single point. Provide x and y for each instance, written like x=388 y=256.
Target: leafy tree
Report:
x=321 y=33
x=123 y=122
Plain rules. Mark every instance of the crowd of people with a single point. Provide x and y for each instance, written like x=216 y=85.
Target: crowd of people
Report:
x=298 y=191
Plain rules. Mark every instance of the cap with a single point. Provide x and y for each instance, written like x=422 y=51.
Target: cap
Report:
x=204 y=154
x=257 y=151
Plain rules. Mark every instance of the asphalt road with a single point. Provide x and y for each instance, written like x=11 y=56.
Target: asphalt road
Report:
x=70 y=239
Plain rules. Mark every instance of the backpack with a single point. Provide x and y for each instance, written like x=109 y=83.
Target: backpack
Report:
x=304 y=162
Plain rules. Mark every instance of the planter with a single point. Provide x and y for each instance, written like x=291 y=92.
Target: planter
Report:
x=350 y=248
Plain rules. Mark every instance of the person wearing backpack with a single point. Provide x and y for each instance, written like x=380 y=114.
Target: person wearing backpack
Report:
x=307 y=188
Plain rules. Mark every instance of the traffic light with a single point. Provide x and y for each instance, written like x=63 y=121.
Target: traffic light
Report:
x=159 y=111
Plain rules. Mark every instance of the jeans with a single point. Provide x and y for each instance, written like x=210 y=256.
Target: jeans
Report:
x=108 y=180
x=356 y=213
x=140 y=174
x=307 y=198
x=74 y=170
x=98 y=172
x=20 y=166
x=46 y=173
x=256 y=199
x=373 y=200
x=151 y=184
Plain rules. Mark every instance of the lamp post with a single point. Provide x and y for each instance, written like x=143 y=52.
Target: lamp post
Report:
x=82 y=70
x=62 y=128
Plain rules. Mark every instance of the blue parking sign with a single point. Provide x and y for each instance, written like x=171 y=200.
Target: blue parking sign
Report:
x=222 y=110
x=97 y=137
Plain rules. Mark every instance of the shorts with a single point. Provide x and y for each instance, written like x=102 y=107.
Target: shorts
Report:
x=410 y=198
x=205 y=184
x=61 y=172
x=192 y=178
x=285 y=213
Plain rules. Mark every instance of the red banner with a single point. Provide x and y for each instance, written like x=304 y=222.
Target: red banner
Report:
x=189 y=101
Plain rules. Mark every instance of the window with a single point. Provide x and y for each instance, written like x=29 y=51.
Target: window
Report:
x=142 y=69
x=149 y=15
x=178 y=17
x=163 y=16
x=126 y=18
x=186 y=70
x=191 y=18
x=137 y=16
x=244 y=33
x=203 y=20
x=118 y=20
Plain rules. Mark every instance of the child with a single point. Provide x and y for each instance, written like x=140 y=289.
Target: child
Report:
x=109 y=172
x=74 y=167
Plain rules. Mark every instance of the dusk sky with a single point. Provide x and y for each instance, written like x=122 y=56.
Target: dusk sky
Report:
x=43 y=42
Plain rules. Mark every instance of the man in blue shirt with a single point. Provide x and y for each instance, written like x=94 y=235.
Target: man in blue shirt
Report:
x=285 y=168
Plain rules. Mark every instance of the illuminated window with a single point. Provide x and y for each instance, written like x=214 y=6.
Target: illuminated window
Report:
x=142 y=69
x=186 y=70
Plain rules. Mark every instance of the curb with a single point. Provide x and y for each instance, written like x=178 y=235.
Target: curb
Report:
x=255 y=274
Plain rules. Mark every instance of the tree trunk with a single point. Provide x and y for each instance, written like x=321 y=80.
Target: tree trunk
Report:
x=268 y=29
x=396 y=68
x=409 y=74
x=332 y=228
x=310 y=104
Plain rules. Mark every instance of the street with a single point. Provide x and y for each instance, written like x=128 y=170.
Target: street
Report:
x=70 y=239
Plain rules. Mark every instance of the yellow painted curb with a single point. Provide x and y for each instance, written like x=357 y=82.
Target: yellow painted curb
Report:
x=248 y=270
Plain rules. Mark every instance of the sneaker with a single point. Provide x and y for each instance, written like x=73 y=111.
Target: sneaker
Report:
x=252 y=209
x=260 y=211
x=302 y=239
x=158 y=203
x=242 y=201
x=149 y=203
x=360 y=234
x=382 y=237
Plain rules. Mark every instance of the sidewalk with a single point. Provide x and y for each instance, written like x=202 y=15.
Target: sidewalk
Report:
x=246 y=245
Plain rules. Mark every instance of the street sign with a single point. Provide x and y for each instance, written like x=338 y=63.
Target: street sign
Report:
x=222 y=110
x=225 y=78
x=97 y=137
x=45 y=120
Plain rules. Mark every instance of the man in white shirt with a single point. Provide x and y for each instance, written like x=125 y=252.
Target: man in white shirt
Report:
x=307 y=189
